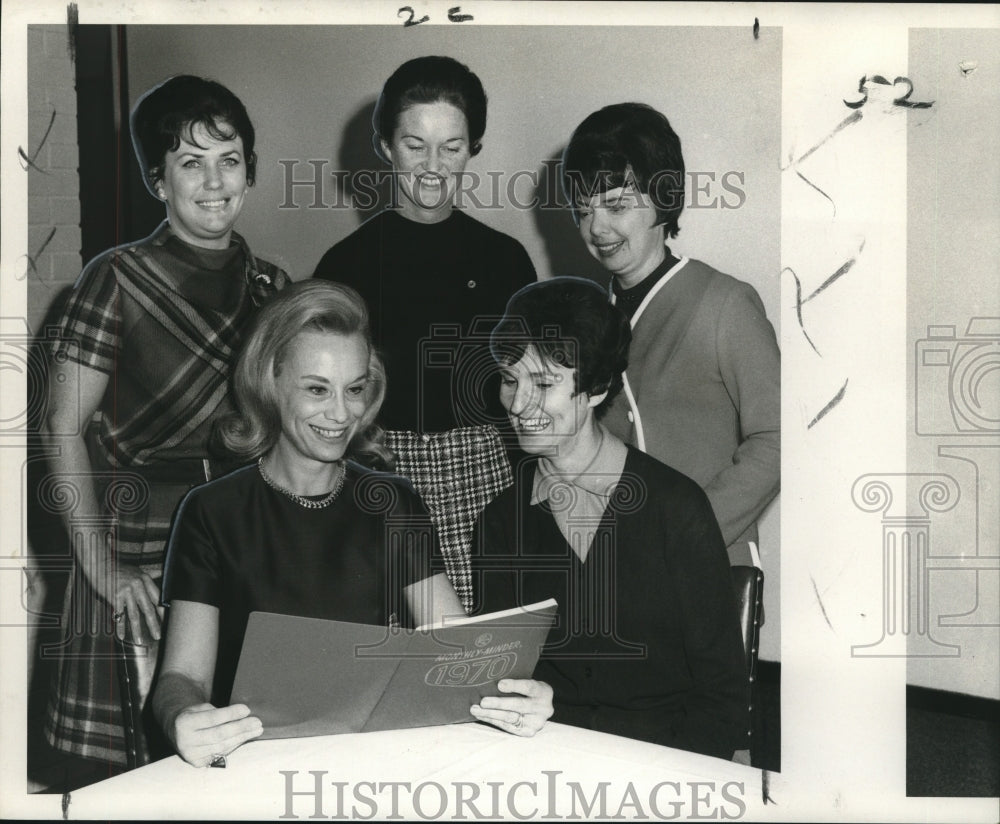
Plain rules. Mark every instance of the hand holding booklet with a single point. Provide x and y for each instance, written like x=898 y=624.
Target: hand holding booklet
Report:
x=308 y=676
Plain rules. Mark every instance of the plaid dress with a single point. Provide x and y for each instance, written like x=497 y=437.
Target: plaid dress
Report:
x=456 y=473
x=166 y=342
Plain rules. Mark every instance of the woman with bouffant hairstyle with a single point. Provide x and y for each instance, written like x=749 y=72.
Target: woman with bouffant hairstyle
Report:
x=301 y=531
x=311 y=306
x=702 y=391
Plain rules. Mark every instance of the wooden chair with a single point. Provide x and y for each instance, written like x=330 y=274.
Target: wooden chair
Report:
x=748 y=582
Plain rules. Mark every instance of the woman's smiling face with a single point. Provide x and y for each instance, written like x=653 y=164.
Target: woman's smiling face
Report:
x=620 y=229
x=204 y=184
x=429 y=151
x=545 y=409
x=323 y=392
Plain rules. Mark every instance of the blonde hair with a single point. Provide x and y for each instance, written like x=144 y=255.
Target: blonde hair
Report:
x=310 y=306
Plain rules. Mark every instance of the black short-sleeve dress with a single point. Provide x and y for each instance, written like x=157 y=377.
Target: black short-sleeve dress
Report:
x=241 y=546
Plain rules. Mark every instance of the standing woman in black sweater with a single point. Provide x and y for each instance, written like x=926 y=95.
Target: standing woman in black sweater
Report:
x=426 y=269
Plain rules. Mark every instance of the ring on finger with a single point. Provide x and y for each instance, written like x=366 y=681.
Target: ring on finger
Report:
x=118 y=616
x=217 y=761
x=520 y=720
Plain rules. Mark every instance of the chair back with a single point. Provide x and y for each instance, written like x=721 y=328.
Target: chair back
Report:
x=748 y=582
x=456 y=473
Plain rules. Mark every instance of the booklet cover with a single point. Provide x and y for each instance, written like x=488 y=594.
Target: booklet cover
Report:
x=308 y=676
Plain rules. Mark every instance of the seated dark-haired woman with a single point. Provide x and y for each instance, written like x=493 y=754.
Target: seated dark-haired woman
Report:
x=303 y=530
x=647 y=642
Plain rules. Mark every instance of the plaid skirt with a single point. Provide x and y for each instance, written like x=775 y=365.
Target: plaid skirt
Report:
x=97 y=699
x=456 y=473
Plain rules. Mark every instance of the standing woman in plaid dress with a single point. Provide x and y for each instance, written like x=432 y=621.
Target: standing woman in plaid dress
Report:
x=152 y=327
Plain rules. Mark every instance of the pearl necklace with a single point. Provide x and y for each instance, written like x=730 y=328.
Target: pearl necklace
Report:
x=299 y=499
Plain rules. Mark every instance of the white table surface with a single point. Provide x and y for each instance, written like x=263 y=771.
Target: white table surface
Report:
x=462 y=771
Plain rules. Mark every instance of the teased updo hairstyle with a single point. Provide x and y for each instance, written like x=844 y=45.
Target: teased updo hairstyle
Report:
x=623 y=144
x=169 y=112
x=430 y=80
x=308 y=306
x=570 y=322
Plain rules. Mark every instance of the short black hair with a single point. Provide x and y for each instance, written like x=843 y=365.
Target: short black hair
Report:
x=431 y=79
x=570 y=322
x=623 y=144
x=170 y=111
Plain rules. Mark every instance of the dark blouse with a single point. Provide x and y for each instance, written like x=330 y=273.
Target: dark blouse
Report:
x=241 y=546
x=647 y=642
x=426 y=286
x=628 y=300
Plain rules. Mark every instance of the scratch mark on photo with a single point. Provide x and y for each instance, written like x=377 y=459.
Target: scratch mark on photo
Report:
x=834 y=401
x=843 y=270
x=852 y=118
x=72 y=21
x=29 y=162
x=765 y=788
x=798 y=308
x=820 y=602
x=812 y=185
x=32 y=267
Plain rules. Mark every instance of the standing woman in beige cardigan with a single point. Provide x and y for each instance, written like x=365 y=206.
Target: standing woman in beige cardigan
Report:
x=702 y=389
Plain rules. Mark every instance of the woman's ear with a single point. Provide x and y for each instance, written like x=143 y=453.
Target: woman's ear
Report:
x=384 y=151
x=156 y=184
x=593 y=401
